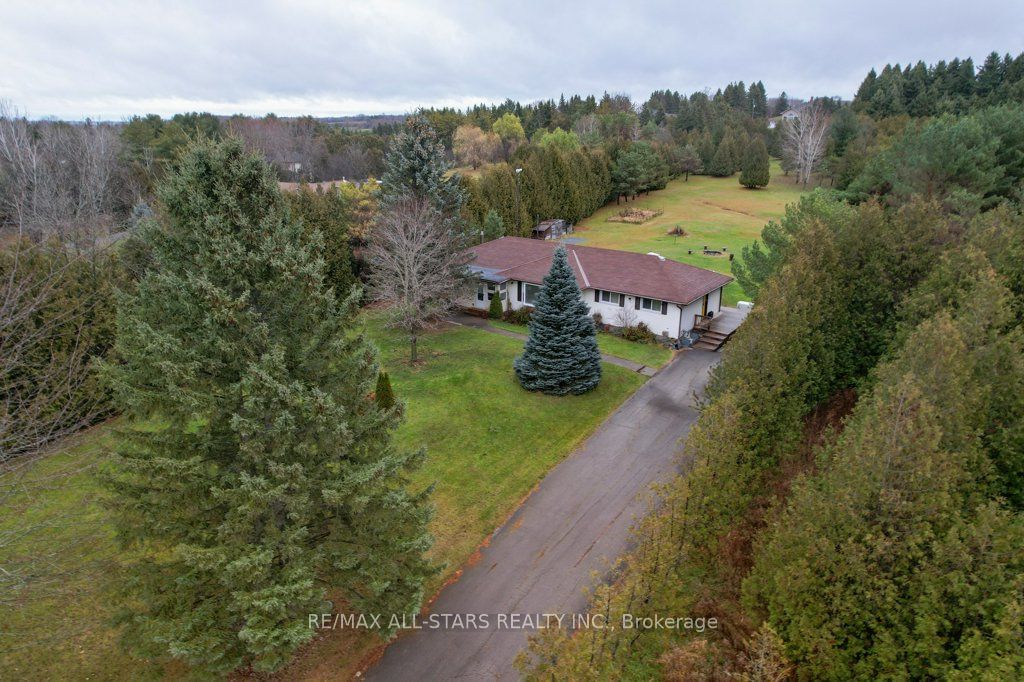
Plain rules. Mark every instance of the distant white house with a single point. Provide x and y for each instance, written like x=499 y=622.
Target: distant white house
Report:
x=787 y=115
x=670 y=297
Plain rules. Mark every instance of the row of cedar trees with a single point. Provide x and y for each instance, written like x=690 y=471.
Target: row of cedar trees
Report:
x=573 y=183
x=854 y=503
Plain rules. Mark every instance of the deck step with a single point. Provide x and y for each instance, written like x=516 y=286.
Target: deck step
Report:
x=711 y=340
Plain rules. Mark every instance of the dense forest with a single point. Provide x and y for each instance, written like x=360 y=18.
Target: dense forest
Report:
x=851 y=502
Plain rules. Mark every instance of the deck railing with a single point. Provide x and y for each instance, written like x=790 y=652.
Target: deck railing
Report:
x=702 y=323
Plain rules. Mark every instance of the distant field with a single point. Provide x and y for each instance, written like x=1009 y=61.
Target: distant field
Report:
x=714 y=212
x=488 y=441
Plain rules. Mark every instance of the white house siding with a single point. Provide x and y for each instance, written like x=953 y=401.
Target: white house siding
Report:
x=676 y=320
x=693 y=309
x=655 y=321
x=485 y=304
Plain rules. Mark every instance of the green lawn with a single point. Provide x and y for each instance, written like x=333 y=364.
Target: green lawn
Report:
x=489 y=442
x=650 y=354
x=714 y=212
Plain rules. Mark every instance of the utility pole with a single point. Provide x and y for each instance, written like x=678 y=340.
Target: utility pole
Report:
x=518 y=171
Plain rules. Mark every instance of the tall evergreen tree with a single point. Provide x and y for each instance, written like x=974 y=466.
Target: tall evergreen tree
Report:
x=494 y=226
x=330 y=214
x=754 y=172
x=416 y=167
x=781 y=104
x=721 y=163
x=758 y=100
x=561 y=354
x=263 y=475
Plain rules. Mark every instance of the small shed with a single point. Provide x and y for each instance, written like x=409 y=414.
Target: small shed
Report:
x=551 y=229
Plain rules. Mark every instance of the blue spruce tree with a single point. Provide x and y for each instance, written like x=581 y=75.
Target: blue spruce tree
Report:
x=561 y=354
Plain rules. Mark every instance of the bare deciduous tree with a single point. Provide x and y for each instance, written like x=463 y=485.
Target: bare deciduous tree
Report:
x=58 y=179
x=45 y=354
x=292 y=145
x=804 y=140
x=417 y=266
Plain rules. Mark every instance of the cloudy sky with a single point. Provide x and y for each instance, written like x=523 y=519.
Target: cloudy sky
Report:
x=108 y=60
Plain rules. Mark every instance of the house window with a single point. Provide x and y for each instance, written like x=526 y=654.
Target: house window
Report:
x=611 y=297
x=491 y=290
x=531 y=291
x=654 y=305
x=480 y=293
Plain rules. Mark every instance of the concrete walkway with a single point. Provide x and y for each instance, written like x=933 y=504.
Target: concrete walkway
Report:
x=480 y=323
x=576 y=522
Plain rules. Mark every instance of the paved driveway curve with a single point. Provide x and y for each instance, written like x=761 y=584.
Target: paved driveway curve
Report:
x=578 y=519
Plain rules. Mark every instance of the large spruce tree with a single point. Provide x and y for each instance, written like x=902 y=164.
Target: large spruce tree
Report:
x=417 y=167
x=260 y=473
x=561 y=354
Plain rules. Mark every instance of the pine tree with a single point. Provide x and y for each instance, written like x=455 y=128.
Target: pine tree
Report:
x=384 y=396
x=755 y=164
x=781 y=104
x=758 y=100
x=262 y=475
x=416 y=167
x=561 y=354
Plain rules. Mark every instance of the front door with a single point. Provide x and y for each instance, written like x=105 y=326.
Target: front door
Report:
x=704 y=306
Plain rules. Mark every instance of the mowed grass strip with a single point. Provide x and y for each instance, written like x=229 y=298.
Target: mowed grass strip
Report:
x=650 y=354
x=714 y=212
x=489 y=442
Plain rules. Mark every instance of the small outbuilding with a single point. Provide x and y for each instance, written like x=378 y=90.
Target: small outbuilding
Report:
x=551 y=229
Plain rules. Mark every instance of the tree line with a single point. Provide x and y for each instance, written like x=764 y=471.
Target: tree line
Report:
x=851 y=506
x=952 y=87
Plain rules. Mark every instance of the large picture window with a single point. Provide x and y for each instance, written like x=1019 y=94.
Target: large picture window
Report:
x=531 y=292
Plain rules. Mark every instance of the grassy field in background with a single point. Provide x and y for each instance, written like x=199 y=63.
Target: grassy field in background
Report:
x=489 y=442
x=714 y=212
x=650 y=354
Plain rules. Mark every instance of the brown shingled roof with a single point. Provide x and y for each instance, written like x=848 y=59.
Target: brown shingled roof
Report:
x=625 y=272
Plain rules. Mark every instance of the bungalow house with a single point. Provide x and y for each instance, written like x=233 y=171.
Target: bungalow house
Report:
x=624 y=287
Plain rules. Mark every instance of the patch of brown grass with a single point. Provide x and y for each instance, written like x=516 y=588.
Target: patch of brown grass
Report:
x=634 y=216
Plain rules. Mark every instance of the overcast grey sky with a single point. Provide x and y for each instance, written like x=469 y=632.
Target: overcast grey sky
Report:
x=107 y=59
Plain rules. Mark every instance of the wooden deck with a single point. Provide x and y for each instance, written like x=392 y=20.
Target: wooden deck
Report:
x=719 y=328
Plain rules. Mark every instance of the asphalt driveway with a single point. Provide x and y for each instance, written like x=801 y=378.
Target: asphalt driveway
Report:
x=577 y=521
